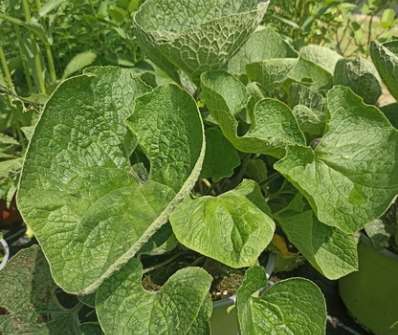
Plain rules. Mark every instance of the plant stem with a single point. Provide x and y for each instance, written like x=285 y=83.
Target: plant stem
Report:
x=38 y=5
x=51 y=64
x=49 y=53
x=26 y=10
x=6 y=71
x=25 y=66
x=162 y=264
x=38 y=68
x=39 y=74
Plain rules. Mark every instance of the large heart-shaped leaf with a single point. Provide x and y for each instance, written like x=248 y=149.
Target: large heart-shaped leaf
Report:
x=78 y=192
x=294 y=306
x=196 y=36
x=27 y=294
x=181 y=307
x=229 y=228
x=385 y=58
x=329 y=250
x=351 y=177
x=273 y=126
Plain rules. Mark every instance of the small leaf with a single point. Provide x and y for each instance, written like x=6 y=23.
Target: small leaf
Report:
x=351 y=177
x=213 y=31
x=10 y=166
x=228 y=228
x=271 y=72
x=49 y=6
x=321 y=56
x=361 y=76
x=273 y=126
x=5 y=139
x=315 y=67
x=388 y=18
x=263 y=44
x=293 y=306
x=309 y=109
x=216 y=166
x=181 y=307
x=385 y=58
x=79 y=62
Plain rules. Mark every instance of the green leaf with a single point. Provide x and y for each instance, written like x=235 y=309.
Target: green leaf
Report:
x=5 y=139
x=379 y=234
x=293 y=306
x=388 y=18
x=10 y=166
x=213 y=31
x=361 y=76
x=265 y=43
x=273 y=126
x=309 y=121
x=79 y=62
x=330 y=251
x=310 y=74
x=90 y=328
x=49 y=6
x=218 y=166
x=309 y=109
x=315 y=67
x=161 y=242
x=27 y=293
x=391 y=112
x=78 y=192
x=385 y=58
x=271 y=72
x=351 y=177
x=257 y=170
x=181 y=307
x=321 y=56
x=229 y=228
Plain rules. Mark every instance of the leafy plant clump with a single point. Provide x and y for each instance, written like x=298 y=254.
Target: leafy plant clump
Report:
x=225 y=156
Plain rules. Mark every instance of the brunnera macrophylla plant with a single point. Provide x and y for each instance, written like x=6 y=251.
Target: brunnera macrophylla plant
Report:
x=116 y=164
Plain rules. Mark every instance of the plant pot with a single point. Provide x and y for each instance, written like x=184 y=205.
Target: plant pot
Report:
x=224 y=320
x=371 y=294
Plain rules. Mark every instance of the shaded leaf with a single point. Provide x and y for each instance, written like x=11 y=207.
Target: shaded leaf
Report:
x=361 y=76
x=27 y=294
x=216 y=165
x=385 y=58
x=330 y=251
